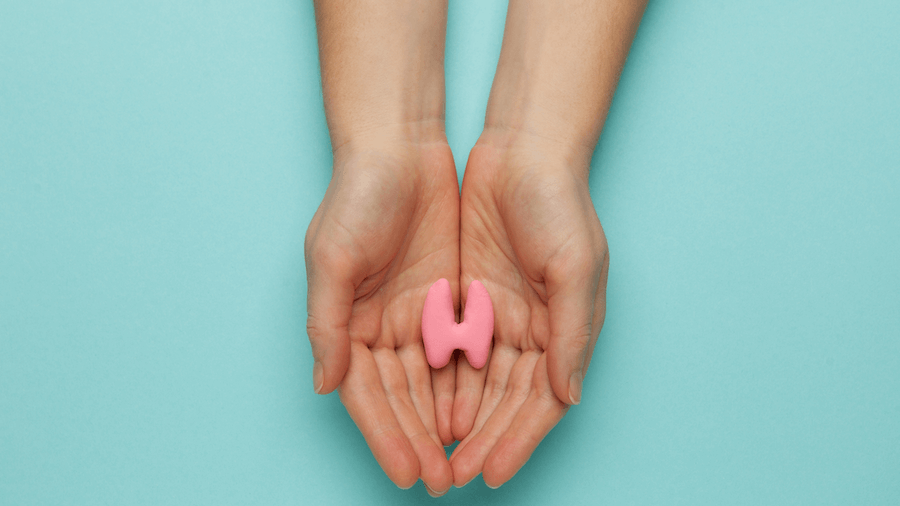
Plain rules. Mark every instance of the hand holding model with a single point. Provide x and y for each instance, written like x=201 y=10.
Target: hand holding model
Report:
x=392 y=223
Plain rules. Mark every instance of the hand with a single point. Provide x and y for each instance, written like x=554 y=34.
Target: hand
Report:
x=530 y=234
x=387 y=228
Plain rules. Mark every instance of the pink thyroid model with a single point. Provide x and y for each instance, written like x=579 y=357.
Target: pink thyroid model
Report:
x=441 y=334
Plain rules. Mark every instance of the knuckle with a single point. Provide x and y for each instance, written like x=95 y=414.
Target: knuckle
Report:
x=315 y=331
x=581 y=338
x=495 y=385
x=394 y=384
x=578 y=338
x=573 y=342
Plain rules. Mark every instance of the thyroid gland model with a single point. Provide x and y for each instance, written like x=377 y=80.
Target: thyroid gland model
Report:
x=441 y=334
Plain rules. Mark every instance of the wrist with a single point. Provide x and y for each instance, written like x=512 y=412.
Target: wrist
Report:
x=523 y=117
x=405 y=136
x=523 y=149
x=407 y=150
x=400 y=113
x=529 y=97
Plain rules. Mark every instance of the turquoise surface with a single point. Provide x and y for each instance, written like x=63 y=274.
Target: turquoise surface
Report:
x=159 y=164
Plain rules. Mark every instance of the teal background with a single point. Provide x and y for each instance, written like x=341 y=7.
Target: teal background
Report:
x=160 y=161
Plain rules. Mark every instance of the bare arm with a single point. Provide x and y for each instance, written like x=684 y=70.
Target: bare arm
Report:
x=382 y=68
x=558 y=71
x=528 y=228
x=387 y=227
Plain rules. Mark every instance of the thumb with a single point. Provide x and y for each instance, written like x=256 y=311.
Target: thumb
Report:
x=571 y=313
x=329 y=305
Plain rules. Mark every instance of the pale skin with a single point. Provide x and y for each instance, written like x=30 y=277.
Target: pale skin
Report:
x=393 y=222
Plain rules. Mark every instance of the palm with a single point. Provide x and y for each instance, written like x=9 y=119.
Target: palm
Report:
x=520 y=231
x=387 y=234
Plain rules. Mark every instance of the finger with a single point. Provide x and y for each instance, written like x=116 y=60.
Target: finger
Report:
x=418 y=379
x=467 y=398
x=469 y=461
x=534 y=420
x=433 y=466
x=443 y=381
x=571 y=293
x=503 y=358
x=329 y=306
x=469 y=389
x=366 y=401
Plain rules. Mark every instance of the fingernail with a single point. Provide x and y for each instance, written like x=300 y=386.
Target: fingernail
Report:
x=466 y=483
x=432 y=493
x=492 y=488
x=318 y=377
x=575 y=387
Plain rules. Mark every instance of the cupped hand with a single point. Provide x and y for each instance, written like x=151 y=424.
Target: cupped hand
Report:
x=387 y=228
x=529 y=232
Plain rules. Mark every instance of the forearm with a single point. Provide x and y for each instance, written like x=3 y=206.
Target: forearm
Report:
x=382 y=65
x=559 y=65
